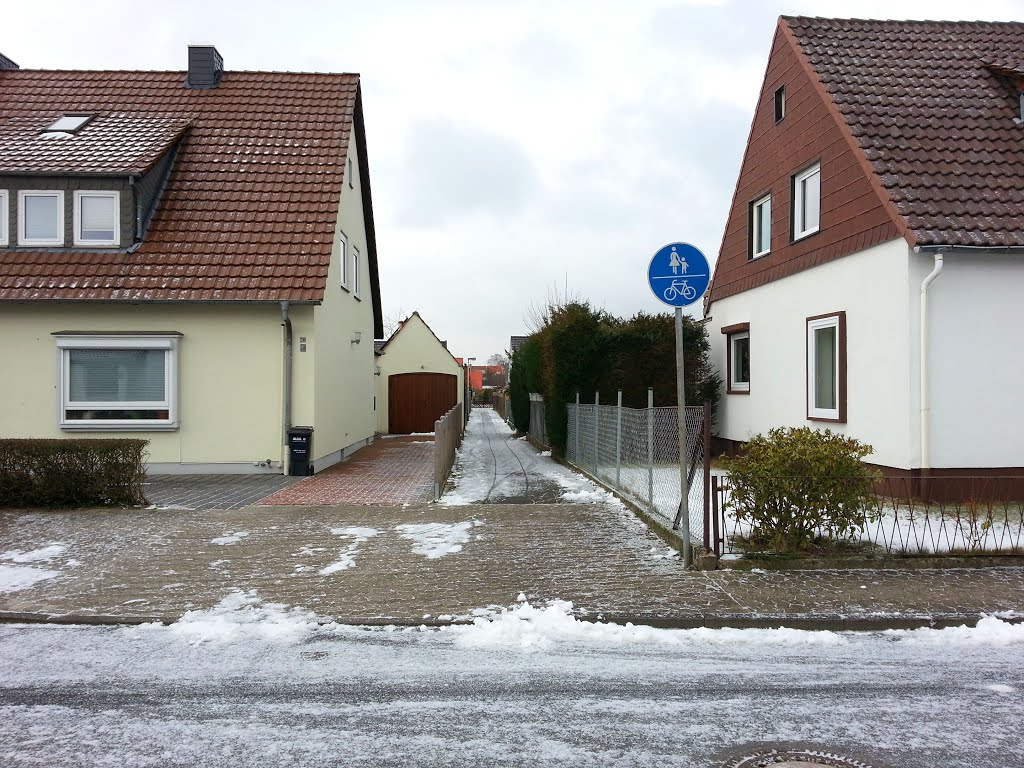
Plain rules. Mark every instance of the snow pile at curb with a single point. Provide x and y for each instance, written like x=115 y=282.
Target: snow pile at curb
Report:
x=434 y=540
x=531 y=629
x=240 y=617
x=990 y=630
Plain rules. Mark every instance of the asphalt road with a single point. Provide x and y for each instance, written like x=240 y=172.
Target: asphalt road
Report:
x=274 y=693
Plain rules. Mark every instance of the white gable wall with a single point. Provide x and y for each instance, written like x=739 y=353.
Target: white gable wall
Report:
x=872 y=288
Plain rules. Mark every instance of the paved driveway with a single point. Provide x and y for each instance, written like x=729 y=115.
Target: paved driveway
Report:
x=212 y=491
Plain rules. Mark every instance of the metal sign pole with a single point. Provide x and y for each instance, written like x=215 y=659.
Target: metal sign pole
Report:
x=682 y=521
x=679 y=275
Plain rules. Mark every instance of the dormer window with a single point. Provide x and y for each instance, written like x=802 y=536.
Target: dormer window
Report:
x=97 y=217
x=41 y=217
x=69 y=124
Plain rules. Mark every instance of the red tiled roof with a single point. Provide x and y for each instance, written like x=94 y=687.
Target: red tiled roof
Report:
x=114 y=144
x=932 y=106
x=250 y=207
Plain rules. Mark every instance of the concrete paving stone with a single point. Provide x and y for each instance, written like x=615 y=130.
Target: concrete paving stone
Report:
x=160 y=563
x=212 y=491
x=391 y=471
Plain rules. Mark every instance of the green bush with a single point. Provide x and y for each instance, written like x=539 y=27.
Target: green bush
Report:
x=72 y=472
x=794 y=486
x=524 y=377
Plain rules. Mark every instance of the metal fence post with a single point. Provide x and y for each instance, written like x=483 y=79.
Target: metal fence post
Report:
x=706 y=461
x=650 y=448
x=579 y=427
x=597 y=428
x=618 y=441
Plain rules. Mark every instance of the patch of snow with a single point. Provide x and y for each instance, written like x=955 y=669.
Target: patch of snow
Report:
x=434 y=540
x=529 y=629
x=545 y=453
x=990 y=631
x=347 y=557
x=230 y=538
x=239 y=617
x=34 y=556
x=14 y=578
x=1000 y=688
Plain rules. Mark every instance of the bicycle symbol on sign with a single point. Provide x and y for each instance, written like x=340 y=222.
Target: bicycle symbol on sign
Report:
x=680 y=288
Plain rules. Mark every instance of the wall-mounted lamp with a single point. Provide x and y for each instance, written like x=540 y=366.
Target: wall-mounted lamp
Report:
x=357 y=337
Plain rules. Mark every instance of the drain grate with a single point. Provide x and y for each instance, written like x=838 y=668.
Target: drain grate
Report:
x=793 y=758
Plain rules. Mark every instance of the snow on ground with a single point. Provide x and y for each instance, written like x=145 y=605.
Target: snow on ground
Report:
x=434 y=540
x=43 y=554
x=347 y=557
x=231 y=538
x=14 y=578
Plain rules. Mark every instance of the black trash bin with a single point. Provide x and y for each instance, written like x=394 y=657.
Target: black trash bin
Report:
x=300 y=451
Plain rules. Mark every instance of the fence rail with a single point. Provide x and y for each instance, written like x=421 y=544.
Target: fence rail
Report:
x=636 y=452
x=447 y=439
x=901 y=522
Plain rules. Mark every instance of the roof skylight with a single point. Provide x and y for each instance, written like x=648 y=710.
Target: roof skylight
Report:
x=69 y=123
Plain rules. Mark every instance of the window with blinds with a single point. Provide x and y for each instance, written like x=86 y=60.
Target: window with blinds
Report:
x=97 y=216
x=124 y=382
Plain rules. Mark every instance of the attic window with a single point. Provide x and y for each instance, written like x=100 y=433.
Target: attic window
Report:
x=69 y=123
x=780 y=103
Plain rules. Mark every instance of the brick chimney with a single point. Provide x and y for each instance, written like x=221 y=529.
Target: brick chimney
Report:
x=205 y=67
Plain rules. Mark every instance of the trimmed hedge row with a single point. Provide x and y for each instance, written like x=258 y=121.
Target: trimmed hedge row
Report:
x=74 y=472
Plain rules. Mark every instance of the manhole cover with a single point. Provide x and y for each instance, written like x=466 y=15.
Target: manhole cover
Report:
x=793 y=758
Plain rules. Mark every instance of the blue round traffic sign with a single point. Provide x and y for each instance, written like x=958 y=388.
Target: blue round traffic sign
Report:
x=679 y=274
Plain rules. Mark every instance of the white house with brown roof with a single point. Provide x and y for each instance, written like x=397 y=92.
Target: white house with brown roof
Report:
x=188 y=257
x=418 y=379
x=870 y=274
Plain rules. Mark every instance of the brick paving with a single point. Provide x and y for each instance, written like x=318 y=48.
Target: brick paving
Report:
x=133 y=564
x=391 y=471
x=212 y=491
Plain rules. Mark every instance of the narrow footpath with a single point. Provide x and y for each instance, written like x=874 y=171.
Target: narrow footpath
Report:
x=495 y=467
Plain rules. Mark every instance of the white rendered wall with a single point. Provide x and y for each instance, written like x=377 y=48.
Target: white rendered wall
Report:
x=342 y=384
x=872 y=287
x=976 y=361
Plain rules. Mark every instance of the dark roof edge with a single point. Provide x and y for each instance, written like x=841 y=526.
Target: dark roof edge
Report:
x=969 y=249
x=371 y=233
x=739 y=175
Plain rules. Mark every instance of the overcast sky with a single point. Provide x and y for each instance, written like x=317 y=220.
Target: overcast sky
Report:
x=516 y=148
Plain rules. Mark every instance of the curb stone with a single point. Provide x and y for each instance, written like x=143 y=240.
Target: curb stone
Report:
x=825 y=622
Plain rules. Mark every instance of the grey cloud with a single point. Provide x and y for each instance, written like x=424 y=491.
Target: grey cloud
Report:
x=456 y=169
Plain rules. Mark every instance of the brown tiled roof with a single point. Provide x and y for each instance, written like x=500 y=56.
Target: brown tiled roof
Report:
x=250 y=207
x=932 y=106
x=111 y=144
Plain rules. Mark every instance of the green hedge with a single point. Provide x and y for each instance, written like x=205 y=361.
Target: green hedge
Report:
x=72 y=472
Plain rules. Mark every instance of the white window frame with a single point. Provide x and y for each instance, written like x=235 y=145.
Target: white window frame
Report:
x=755 y=226
x=343 y=253
x=355 y=271
x=5 y=206
x=165 y=342
x=84 y=193
x=735 y=385
x=836 y=321
x=800 y=230
x=26 y=193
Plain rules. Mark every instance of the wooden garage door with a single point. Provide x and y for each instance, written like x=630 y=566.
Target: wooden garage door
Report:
x=417 y=400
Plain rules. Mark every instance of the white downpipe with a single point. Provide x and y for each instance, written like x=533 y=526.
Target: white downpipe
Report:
x=925 y=404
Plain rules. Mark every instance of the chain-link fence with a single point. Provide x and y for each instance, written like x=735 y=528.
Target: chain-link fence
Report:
x=538 y=424
x=636 y=452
